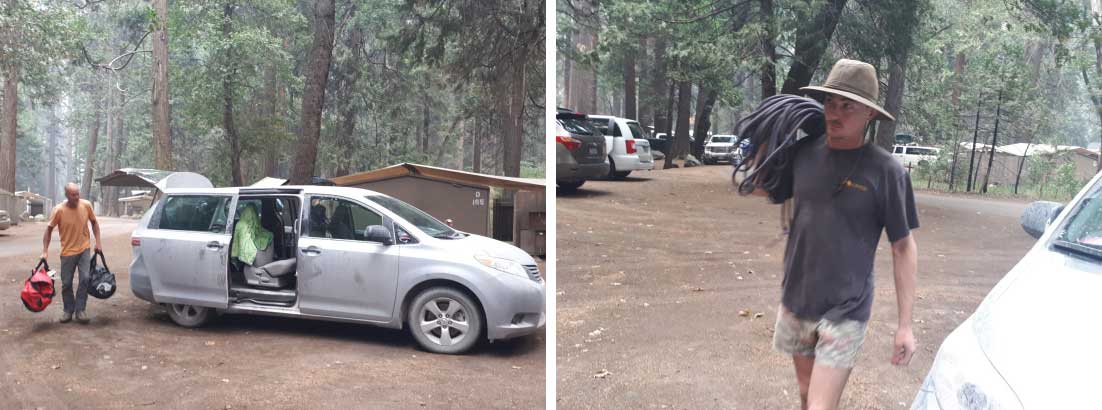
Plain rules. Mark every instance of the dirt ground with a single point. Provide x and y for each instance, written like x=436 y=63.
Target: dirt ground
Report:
x=653 y=270
x=132 y=355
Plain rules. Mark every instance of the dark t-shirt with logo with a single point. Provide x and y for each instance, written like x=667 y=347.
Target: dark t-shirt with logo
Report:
x=837 y=223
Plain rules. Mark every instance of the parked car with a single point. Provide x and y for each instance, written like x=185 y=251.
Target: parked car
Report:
x=1029 y=344
x=720 y=147
x=335 y=253
x=912 y=155
x=5 y=220
x=580 y=152
x=628 y=149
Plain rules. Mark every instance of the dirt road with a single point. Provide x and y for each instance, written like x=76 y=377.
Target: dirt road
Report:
x=653 y=270
x=131 y=355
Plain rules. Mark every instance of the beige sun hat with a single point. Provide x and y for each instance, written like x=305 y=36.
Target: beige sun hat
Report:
x=855 y=80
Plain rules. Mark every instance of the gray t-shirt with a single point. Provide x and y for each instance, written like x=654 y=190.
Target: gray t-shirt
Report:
x=836 y=226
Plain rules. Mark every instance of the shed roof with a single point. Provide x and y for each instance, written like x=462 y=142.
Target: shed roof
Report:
x=407 y=169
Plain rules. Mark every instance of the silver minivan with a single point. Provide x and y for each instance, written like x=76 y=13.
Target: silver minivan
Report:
x=332 y=253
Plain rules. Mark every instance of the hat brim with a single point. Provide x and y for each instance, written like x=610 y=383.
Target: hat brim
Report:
x=882 y=114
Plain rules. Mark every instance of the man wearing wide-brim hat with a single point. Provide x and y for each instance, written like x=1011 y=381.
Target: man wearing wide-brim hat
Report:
x=845 y=193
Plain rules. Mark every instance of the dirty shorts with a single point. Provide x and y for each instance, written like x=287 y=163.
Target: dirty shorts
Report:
x=834 y=344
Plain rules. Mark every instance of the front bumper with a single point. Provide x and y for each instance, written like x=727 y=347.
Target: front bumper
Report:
x=717 y=156
x=514 y=307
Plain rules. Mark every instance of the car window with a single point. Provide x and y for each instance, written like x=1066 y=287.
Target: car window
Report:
x=337 y=218
x=576 y=126
x=423 y=221
x=898 y=150
x=1083 y=228
x=195 y=213
x=600 y=125
x=921 y=151
x=721 y=139
x=637 y=131
x=616 y=130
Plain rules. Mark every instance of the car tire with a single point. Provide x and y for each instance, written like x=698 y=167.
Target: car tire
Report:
x=440 y=309
x=189 y=315
x=570 y=185
x=622 y=174
x=611 y=168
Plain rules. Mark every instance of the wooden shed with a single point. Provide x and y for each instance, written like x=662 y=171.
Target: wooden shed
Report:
x=504 y=208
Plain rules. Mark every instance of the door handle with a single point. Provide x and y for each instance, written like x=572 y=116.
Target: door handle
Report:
x=214 y=245
x=312 y=250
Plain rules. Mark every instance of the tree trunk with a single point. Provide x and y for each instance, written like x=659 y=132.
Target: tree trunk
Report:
x=425 y=124
x=567 y=83
x=476 y=156
x=994 y=143
x=51 y=156
x=680 y=143
x=9 y=126
x=645 y=98
x=583 y=78
x=768 y=50
x=885 y=131
x=1095 y=97
x=89 y=161
x=975 y=137
x=812 y=39
x=162 y=131
x=669 y=114
x=514 y=131
x=345 y=104
x=313 y=98
x=958 y=74
x=659 y=106
x=706 y=101
x=227 y=98
x=462 y=131
x=1021 y=163
x=629 y=86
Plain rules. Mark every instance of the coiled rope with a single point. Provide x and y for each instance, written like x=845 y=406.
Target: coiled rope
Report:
x=772 y=131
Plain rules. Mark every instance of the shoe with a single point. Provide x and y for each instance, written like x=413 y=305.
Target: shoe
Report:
x=66 y=317
x=82 y=318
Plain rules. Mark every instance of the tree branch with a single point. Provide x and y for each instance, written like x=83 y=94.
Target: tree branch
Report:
x=707 y=16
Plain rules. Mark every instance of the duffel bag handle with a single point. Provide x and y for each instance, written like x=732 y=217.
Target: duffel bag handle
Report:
x=102 y=260
x=41 y=263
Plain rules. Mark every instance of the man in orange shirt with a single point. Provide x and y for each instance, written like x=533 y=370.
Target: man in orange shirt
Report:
x=72 y=218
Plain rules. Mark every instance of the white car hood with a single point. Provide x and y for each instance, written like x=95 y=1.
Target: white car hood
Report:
x=1040 y=329
x=493 y=247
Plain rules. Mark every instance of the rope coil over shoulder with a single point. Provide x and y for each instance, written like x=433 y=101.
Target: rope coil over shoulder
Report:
x=773 y=131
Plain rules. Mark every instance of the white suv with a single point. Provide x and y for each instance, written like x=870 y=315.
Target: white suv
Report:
x=720 y=147
x=625 y=140
x=912 y=155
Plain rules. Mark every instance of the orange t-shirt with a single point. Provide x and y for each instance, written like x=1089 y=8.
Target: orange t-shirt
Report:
x=72 y=223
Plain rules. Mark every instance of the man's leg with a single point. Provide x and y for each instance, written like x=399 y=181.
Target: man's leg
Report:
x=68 y=265
x=83 y=266
x=835 y=355
x=804 y=366
x=826 y=387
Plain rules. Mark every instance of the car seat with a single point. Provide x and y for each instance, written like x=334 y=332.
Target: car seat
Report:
x=252 y=241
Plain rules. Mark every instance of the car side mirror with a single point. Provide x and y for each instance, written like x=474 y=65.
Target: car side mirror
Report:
x=378 y=233
x=1038 y=215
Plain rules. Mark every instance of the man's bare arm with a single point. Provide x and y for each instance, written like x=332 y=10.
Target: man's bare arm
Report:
x=95 y=230
x=46 y=241
x=905 y=264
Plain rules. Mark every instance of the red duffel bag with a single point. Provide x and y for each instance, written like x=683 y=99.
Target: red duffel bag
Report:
x=38 y=290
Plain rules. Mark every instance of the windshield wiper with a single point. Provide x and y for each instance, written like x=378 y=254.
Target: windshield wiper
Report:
x=1076 y=248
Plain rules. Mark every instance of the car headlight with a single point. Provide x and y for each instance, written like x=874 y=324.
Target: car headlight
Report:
x=963 y=378
x=500 y=264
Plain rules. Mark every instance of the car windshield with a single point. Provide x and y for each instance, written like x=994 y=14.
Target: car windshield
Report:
x=417 y=217
x=724 y=139
x=1082 y=233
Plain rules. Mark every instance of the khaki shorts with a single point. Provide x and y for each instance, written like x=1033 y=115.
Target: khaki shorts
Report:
x=833 y=344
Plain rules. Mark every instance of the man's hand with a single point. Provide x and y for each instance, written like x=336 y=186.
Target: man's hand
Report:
x=904 y=346
x=99 y=247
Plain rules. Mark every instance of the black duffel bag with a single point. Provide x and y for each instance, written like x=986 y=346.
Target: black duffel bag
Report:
x=103 y=281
